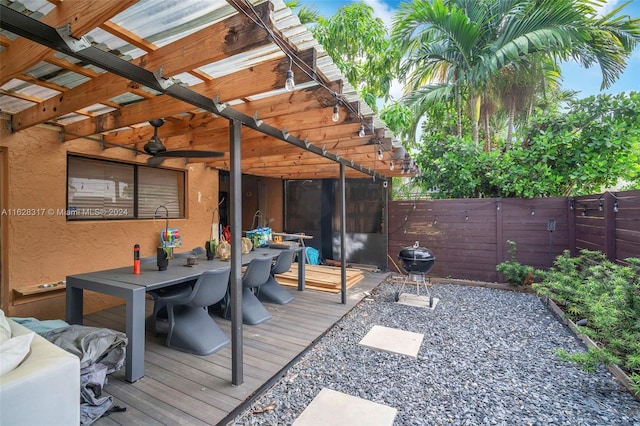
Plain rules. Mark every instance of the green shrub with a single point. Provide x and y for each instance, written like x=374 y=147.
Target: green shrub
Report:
x=514 y=272
x=607 y=295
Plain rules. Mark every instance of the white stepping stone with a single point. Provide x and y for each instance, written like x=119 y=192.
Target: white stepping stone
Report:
x=334 y=408
x=410 y=299
x=393 y=340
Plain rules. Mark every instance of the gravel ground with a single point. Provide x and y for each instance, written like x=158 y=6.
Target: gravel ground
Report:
x=487 y=358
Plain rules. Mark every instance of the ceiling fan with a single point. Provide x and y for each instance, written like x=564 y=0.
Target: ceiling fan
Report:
x=159 y=152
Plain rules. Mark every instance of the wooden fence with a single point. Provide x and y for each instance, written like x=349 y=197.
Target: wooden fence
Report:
x=469 y=237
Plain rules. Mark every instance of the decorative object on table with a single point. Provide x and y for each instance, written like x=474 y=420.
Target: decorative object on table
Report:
x=136 y=259
x=192 y=260
x=210 y=247
x=260 y=236
x=211 y=244
x=163 y=255
x=223 y=251
x=169 y=238
x=247 y=245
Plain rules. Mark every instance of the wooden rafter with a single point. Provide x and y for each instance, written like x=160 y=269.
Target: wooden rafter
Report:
x=83 y=16
x=203 y=47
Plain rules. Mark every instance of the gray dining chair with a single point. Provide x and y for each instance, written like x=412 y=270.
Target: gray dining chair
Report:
x=191 y=328
x=256 y=274
x=156 y=323
x=272 y=291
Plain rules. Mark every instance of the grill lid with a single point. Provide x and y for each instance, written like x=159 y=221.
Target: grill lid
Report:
x=416 y=253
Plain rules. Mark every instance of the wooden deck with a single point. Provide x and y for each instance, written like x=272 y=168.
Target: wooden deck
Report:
x=179 y=388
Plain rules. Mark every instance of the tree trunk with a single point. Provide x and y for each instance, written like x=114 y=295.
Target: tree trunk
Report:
x=459 y=110
x=512 y=116
x=487 y=134
x=475 y=117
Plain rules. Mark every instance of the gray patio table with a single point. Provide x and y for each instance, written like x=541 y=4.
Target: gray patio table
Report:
x=123 y=283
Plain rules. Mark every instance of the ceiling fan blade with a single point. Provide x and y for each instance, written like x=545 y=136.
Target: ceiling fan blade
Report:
x=190 y=153
x=155 y=161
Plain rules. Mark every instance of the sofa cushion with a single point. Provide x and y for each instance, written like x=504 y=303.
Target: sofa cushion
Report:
x=5 y=328
x=44 y=389
x=13 y=351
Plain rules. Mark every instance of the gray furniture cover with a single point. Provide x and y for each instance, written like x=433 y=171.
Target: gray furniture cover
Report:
x=101 y=352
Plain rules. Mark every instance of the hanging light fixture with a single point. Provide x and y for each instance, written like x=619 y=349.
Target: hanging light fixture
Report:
x=289 y=83
x=380 y=156
x=336 y=114
x=361 y=132
x=391 y=166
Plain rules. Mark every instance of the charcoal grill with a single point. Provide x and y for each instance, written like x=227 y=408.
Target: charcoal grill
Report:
x=417 y=262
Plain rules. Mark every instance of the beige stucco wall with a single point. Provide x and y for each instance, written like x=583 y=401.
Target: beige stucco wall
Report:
x=46 y=248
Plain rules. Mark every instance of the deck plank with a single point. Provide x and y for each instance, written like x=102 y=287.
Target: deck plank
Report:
x=184 y=389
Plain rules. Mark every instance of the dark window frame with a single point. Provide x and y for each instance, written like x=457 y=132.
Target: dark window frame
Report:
x=177 y=209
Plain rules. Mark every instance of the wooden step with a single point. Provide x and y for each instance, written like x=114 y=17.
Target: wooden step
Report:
x=320 y=277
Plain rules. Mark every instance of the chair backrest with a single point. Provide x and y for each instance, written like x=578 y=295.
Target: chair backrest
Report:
x=283 y=262
x=210 y=287
x=257 y=273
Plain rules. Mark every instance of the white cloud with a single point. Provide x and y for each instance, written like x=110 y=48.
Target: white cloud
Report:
x=382 y=10
x=608 y=7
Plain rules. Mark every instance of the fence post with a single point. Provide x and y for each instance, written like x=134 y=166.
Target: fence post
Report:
x=571 y=225
x=499 y=245
x=609 y=226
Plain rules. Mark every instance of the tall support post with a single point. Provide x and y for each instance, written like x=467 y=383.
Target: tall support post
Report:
x=343 y=236
x=386 y=223
x=235 y=280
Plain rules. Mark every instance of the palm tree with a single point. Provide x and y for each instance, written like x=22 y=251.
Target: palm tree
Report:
x=518 y=87
x=459 y=47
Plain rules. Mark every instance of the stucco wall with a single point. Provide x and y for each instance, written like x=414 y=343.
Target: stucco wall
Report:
x=46 y=248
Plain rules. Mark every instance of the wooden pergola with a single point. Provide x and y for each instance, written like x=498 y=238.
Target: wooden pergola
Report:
x=215 y=72
x=240 y=57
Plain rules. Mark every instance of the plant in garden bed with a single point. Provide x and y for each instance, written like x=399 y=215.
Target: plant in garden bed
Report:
x=514 y=272
x=605 y=294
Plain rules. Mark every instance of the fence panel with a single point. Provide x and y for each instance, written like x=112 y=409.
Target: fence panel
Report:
x=469 y=237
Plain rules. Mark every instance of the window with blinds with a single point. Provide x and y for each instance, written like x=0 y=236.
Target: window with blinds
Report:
x=105 y=190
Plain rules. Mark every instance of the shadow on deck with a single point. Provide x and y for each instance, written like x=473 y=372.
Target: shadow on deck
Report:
x=179 y=388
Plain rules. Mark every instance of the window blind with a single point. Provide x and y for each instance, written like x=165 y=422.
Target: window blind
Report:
x=100 y=189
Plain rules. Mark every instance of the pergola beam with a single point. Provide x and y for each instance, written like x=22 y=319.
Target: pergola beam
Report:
x=85 y=16
x=234 y=35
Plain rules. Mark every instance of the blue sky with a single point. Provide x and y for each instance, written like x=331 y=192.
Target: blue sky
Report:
x=575 y=77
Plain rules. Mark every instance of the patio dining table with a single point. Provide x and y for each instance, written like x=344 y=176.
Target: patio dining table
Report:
x=122 y=282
